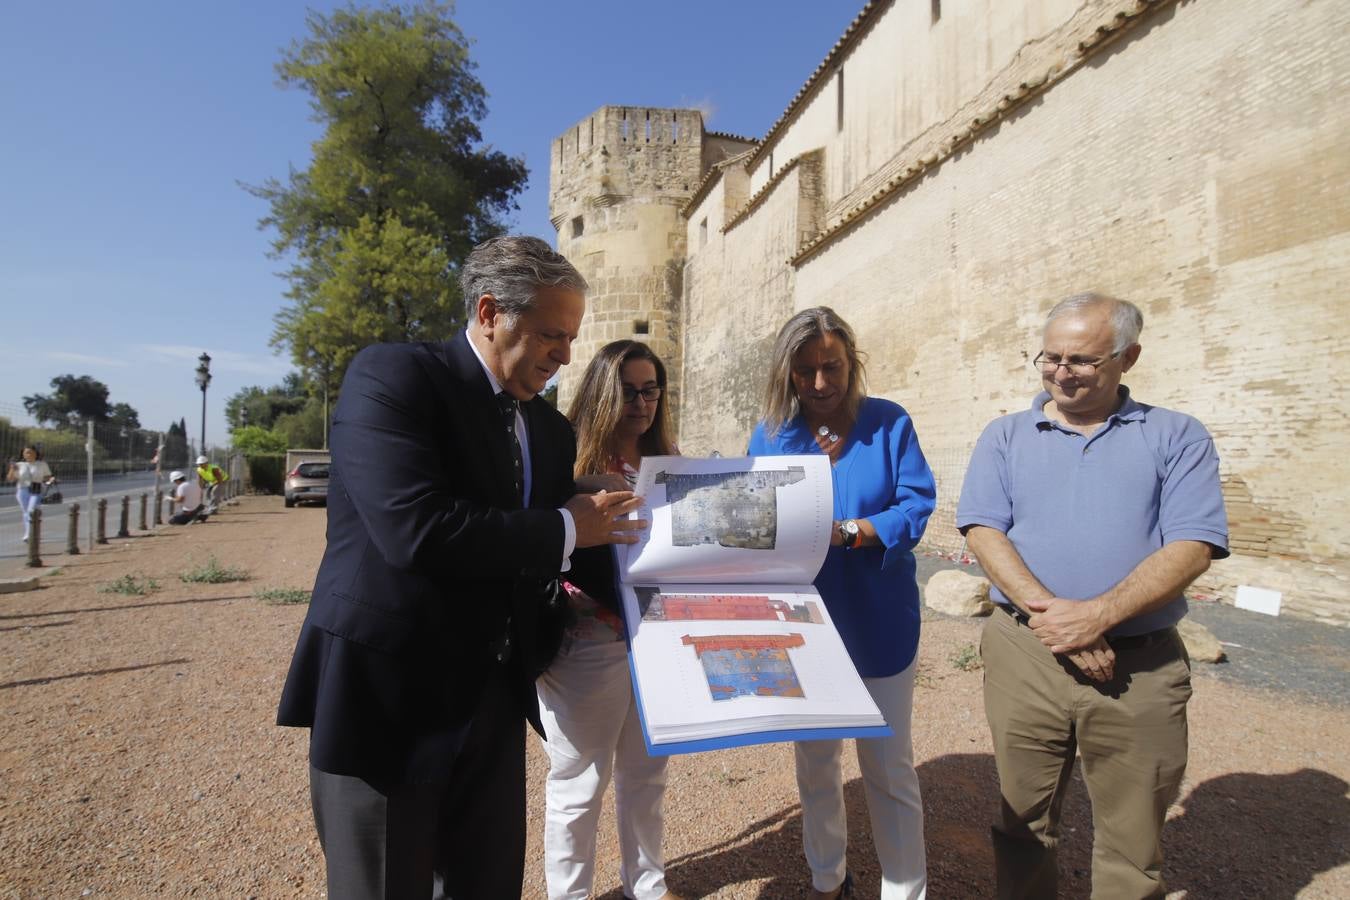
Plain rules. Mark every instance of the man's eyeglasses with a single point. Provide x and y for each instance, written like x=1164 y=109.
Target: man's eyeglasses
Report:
x=650 y=394
x=1049 y=363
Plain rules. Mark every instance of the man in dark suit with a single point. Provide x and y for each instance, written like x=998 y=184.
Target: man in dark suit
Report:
x=451 y=512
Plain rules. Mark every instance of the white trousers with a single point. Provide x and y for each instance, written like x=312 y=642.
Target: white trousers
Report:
x=28 y=501
x=588 y=712
x=893 y=804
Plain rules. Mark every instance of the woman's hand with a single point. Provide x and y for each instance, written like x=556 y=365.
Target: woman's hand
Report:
x=836 y=539
x=606 y=481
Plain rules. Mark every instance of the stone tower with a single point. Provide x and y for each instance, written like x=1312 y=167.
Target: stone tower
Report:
x=617 y=182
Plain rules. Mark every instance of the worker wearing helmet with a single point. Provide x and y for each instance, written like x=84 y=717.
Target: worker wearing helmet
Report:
x=212 y=477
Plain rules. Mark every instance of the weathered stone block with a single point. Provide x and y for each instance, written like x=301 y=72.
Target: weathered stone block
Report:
x=957 y=593
x=1201 y=644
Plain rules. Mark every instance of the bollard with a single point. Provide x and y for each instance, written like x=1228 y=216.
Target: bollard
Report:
x=122 y=529
x=142 y=526
x=102 y=523
x=35 y=539
x=73 y=529
x=159 y=505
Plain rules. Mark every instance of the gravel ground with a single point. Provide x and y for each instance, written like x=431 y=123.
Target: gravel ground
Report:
x=139 y=756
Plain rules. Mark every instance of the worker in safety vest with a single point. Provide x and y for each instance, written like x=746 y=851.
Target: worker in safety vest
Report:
x=212 y=477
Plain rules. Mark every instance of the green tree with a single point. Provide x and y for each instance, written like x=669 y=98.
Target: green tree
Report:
x=175 y=455
x=253 y=440
x=260 y=406
x=303 y=428
x=73 y=401
x=124 y=416
x=399 y=190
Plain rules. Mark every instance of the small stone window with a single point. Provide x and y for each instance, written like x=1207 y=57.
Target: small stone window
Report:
x=936 y=6
x=839 y=98
x=578 y=227
x=641 y=326
x=703 y=232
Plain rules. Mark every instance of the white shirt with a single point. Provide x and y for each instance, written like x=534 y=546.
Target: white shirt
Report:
x=189 y=495
x=523 y=436
x=28 y=472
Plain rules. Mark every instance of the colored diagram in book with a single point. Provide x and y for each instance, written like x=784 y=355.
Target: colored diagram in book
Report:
x=657 y=606
x=733 y=509
x=747 y=665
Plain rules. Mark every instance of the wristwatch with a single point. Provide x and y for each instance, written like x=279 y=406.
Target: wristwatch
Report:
x=849 y=535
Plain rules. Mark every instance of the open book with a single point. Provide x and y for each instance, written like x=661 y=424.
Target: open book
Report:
x=729 y=643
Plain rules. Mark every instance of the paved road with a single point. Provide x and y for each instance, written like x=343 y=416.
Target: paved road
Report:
x=54 y=515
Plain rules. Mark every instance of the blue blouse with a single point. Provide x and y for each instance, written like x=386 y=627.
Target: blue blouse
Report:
x=882 y=476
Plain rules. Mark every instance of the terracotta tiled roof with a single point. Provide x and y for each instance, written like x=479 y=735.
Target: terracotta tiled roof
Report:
x=729 y=136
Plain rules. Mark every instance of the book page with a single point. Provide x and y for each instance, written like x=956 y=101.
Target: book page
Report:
x=717 y=660
x=732 y=519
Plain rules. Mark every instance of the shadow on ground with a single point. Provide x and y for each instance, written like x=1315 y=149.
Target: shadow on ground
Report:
x=1222 y=844
x=1232 y=829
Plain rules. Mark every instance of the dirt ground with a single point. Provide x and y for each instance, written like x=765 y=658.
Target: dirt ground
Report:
x=139 y=757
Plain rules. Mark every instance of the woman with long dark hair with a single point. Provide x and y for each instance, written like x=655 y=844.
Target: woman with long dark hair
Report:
x=586 y=697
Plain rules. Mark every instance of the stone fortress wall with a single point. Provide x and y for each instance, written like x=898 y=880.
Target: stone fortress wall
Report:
x=618 y=180
x=951 y=169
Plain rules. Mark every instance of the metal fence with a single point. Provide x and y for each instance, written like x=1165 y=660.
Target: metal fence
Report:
x=110 y=482
x=949 y=470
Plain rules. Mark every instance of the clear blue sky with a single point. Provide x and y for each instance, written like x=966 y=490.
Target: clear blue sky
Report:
x=126 y=245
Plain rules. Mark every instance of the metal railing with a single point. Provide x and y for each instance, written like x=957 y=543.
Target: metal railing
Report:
x=109 y=482
x=949 y=470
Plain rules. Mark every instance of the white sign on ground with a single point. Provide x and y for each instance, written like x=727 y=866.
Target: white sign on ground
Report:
x=1256 y=599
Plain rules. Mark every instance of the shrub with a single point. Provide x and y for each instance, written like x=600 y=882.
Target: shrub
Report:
x=282 y=596
x=214 y=573
x=266 y=473
x=967 y=658
x=132 y=585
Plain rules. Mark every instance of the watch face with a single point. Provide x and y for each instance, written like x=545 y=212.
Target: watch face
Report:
x=851 y=527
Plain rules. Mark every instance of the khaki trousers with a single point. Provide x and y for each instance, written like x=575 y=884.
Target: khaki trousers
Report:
x=1130 y=732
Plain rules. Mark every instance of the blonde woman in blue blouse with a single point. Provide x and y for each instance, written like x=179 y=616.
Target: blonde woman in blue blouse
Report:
x=816 y=402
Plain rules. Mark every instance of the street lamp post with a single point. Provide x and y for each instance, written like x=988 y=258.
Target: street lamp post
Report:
x=203 y=379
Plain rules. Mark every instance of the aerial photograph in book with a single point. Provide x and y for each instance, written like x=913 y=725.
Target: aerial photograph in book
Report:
x=749 y=665
x=733 y=509
x=765 y=519
x=729 y=643
x=659 y=607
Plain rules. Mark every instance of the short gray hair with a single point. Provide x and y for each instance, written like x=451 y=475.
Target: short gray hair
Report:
x=1126 y=319
x=512 y=268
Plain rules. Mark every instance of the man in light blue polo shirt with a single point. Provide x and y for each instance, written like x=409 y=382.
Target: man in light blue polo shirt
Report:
x=1091 y=512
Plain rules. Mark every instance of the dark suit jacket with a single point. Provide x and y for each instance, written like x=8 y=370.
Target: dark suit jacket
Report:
x=429 y=558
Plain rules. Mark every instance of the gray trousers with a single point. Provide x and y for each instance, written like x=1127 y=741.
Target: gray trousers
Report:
x=461 y=839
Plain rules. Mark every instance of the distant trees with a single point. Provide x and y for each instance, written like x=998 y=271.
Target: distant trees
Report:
x=260 y=406
x=284 y=415
x=399 y=189
x=77 y=400
x=175 y=453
